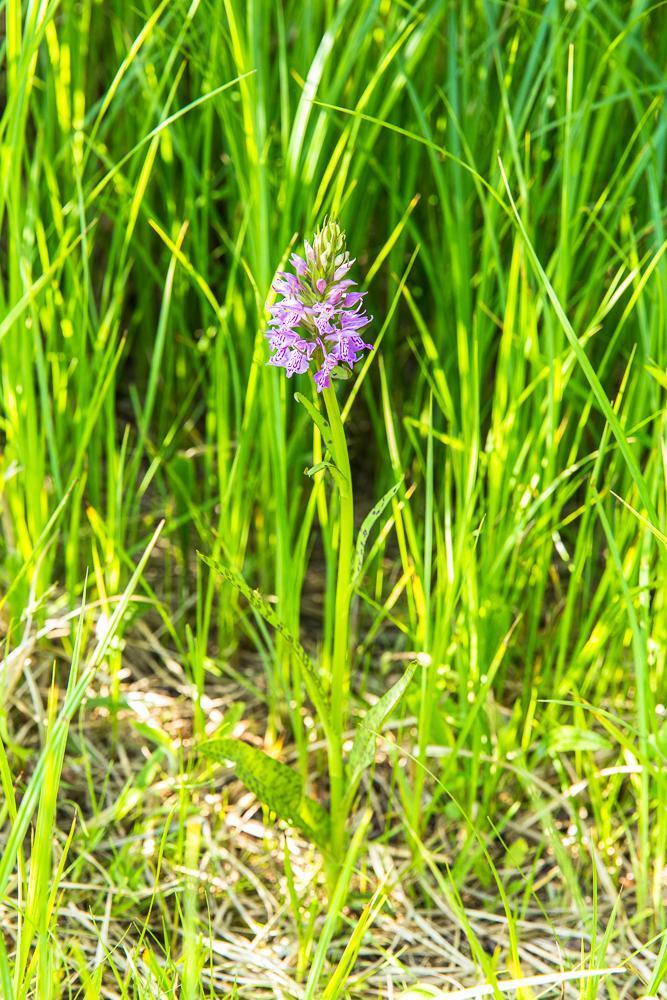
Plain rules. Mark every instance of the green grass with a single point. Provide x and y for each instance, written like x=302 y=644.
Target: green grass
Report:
x=500 y=171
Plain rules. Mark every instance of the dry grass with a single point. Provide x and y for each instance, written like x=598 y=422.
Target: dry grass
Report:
x=132 y=780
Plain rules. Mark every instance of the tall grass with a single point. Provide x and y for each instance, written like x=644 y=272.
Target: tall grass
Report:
x=500 y=171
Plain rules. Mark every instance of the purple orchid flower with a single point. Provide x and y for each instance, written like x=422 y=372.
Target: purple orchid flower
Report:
x=316 y=322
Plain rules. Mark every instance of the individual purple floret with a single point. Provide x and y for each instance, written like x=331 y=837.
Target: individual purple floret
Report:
x=318 y=318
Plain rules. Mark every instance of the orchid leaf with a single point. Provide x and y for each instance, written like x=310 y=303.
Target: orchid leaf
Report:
x=275 y=784
x=366 y=528
x=368 y=728
x=318 y=419
x=257 y=602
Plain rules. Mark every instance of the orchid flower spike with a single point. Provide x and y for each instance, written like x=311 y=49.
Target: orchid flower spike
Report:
x=316 y=323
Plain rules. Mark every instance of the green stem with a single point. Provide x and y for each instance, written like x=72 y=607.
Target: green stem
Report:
x=340 y=670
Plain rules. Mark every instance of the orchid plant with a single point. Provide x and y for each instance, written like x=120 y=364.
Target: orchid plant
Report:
x=314 y=328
